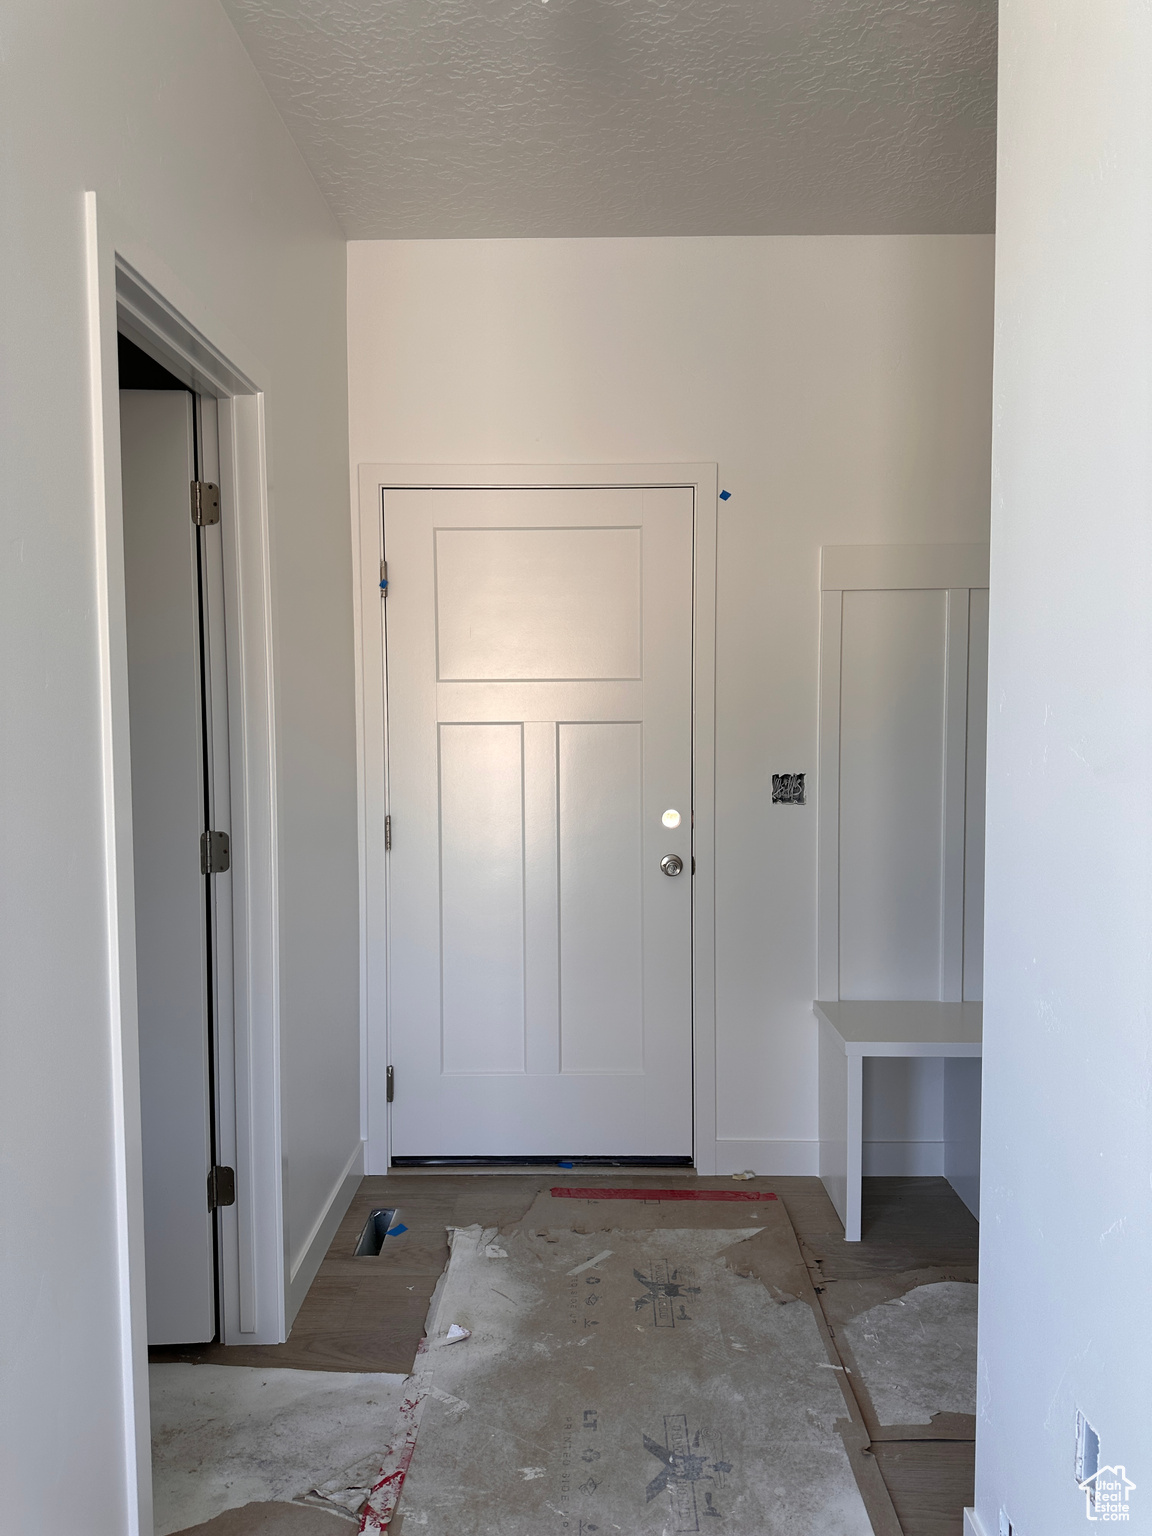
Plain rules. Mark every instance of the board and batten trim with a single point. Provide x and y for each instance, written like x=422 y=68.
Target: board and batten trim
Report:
x=371 y=719
x=828 y=798
x=955 y=569
x=891 y=567
x=955 y=766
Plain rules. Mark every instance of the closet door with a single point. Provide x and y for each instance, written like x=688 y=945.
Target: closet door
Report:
x=168 y=816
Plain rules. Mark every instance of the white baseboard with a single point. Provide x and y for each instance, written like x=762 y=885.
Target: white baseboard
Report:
x=323 y=1231
x=973 y=1525
x=967 y=1186
x=797 y=1159
x=903 y=1159
x=771 y=1159
x=800 y=1159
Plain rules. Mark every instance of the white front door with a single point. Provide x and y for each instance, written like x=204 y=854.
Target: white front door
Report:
x=168 y=816
x=539 y=666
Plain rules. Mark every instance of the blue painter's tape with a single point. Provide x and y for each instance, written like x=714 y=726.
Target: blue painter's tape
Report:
x=563 y=1164
x=725 y=495
x=396 y=1231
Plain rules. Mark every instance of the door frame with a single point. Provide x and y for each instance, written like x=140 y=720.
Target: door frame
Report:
x=372 y=757
x=130 y=289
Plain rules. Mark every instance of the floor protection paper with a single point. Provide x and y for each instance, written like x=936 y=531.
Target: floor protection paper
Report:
x=916 y=1353
x=225 y=1435
x=624 y=1381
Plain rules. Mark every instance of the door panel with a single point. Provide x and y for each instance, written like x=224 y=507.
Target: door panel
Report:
x=482 y=897
x=161 y=600
x=539 y=653
x=517 y=603
x=601 y=930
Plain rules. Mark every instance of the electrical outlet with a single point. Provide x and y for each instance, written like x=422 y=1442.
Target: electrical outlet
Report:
x=788 y=789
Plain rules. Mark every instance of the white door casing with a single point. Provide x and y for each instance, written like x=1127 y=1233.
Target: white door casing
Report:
x=125 y=290
x=540 y=708
x=163 y=623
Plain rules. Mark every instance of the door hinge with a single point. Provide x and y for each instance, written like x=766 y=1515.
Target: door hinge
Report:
x=215 y=853
x=387 y=834
x=390 y=1079
x=205 y=503
x=221 y=1187
x=383 y=578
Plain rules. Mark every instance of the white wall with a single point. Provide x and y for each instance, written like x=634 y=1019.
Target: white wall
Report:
x=1067 y=1139
x=153 y=104
x=843 y=385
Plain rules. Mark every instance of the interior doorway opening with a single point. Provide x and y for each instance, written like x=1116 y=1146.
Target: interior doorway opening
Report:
x=181 y=797
x=127 y=296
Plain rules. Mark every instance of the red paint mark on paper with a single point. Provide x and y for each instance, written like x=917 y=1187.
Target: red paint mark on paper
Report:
x=660 y=1194
x=385 y=1493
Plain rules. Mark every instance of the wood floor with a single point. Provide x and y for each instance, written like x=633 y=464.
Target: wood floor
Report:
x=368 y=1314
x=914 y=1232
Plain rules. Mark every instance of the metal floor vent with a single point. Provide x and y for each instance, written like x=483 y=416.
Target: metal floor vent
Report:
x=375 y=1231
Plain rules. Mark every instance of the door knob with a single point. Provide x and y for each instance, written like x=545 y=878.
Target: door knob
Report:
x=671 y=863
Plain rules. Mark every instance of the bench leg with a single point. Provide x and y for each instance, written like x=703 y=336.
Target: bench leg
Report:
x=855 y=1148
x=840 y=1129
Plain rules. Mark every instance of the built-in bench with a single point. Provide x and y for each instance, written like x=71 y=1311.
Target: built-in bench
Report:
x=900 y=893
x=853 y=1030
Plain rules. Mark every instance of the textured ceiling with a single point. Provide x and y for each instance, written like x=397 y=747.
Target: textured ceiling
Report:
x=481 y=118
